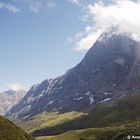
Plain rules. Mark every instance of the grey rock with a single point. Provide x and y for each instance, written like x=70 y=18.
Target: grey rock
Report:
x=110 y=69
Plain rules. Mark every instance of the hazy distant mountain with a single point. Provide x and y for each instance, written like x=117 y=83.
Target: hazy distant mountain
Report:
x=110 y=69
x=9 y=98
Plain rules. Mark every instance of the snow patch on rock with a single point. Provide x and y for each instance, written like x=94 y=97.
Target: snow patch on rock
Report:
x=88 y=93
x=91 y=99
x=105 y=100
x=120 y=60
x=80 y=98
x=50 y=102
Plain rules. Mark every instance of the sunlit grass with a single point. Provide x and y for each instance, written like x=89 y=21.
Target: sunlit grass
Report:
x=9 y=131
x=106 y=133
x=46 y=120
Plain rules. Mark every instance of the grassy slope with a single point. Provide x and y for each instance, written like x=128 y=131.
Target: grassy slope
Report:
x=46 y=120
x=126 y=109
x=9 y=131
x=107 y=133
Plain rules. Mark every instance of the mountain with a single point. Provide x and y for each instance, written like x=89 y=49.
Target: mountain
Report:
x=125 y=110
x=9 y=131
x=9 y=98
x=110 y=69
x=108 y=121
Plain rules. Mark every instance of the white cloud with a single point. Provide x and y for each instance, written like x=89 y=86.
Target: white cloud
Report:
x=36 y=5
x=9 y=7
x=69 y=39
x=122 y=13
x=87 y=41
x=77 y=2
x=51 y=4
x=15 y=86
x=78 y=35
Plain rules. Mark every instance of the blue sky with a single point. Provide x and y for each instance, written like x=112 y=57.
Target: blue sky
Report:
x=42 y=39
x=35 y=44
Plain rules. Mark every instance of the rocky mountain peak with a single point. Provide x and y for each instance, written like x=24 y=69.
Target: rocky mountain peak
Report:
x=110 y=69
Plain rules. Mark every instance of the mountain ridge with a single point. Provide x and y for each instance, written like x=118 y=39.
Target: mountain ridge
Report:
x=110 y=69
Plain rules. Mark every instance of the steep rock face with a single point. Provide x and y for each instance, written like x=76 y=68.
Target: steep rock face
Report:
x=8 y=99
x=109 y=70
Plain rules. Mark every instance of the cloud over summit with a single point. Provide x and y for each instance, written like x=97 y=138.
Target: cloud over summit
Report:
x=121 y=13
x=15 y=86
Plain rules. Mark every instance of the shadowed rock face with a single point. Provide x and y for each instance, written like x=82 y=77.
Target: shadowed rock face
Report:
x=109 y=70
